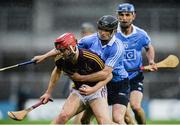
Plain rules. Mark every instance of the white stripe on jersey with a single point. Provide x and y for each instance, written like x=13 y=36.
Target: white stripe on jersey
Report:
x=118 y=53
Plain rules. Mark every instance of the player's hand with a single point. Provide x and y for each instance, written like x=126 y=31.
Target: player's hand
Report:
x=45 y=98
x=76 y=76
x=153 y=67
x=86 y=90
x=39 y=58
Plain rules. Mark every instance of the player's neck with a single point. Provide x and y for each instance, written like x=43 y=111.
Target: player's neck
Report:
x=127 y=30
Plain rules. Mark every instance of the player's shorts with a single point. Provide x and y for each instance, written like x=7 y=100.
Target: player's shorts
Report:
x=136 y=83
x=101 y=93
x=118 y=92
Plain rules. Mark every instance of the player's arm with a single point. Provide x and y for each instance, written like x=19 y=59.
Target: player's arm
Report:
x=112 y=60
x=87 y=90
x=40 y=58
x=150 y=54
x=94 y=77
x=55 y=75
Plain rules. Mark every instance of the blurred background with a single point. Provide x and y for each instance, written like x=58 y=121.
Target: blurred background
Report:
x=29 y=27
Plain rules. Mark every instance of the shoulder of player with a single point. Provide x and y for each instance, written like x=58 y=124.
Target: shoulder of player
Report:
x=118 y=42
x=88 y=53
x=92 y=56
x=141 y=31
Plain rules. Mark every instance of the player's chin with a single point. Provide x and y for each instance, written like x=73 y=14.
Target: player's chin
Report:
x=103 y=38
x=125 y=25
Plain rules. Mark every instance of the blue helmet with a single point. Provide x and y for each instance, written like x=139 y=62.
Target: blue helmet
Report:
x=125 y=7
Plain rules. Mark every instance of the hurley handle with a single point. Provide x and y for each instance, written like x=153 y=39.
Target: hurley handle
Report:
x=27 y=62
x=39 y=103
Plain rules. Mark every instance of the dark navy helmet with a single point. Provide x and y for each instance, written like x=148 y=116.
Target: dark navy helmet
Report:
x=125 y=7
x=107 y=22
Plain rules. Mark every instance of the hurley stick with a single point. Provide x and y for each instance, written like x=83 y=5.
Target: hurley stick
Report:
x=20 y=115
x=170 y=62
x=18 y=65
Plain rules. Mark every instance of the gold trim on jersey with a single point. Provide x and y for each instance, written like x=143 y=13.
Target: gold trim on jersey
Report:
x=59 y=56
x=94 y=57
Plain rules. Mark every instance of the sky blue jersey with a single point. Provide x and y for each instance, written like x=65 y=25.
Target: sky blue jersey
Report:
x=112 y=53
x=133 y=44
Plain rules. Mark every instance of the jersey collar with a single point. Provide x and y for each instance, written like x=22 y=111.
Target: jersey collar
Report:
x=110 y=43
x=133 y=32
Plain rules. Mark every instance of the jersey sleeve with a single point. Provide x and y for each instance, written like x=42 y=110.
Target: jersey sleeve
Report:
x=84 y=43
x=146 y=40
x=115 y=56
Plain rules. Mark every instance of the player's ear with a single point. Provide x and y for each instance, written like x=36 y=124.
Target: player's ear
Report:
x=134 y=15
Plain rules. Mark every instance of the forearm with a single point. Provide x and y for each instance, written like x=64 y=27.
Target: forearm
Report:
x=43 y=57
x=150 y=54
x=100 y=84
x=98 y=76
x=53 y=80
x=51 y=53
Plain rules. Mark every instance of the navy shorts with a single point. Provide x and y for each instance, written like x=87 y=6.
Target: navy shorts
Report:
x=118 y=92
x=136 y=83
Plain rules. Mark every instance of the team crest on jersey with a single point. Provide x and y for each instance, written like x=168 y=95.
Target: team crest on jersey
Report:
x=130 y=54
x=125 y=45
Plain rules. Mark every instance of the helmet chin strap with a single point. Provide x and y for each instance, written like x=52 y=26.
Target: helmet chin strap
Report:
x=74 y=54
x=112 y=34
x=74 y=51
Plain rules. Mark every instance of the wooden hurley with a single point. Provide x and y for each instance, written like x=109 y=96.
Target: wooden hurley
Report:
x=20 y=115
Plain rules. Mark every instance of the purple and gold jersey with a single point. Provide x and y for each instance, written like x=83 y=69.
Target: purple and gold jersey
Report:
x=87 y=63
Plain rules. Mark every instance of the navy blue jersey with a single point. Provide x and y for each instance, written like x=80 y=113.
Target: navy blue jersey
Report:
x=87 y=63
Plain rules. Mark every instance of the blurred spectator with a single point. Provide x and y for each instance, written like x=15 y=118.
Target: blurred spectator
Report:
x=87 y=29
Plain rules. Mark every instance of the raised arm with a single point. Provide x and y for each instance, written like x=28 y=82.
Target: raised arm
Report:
x=94 y=77
x=55 y=75
x=40 y=58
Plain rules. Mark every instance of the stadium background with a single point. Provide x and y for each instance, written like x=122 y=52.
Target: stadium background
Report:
x=28 y=28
